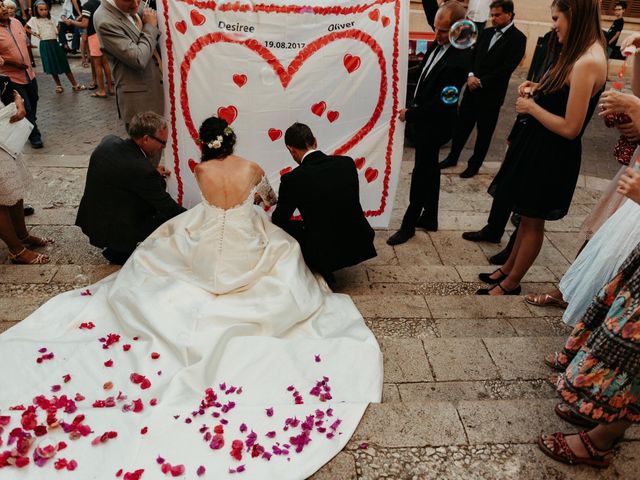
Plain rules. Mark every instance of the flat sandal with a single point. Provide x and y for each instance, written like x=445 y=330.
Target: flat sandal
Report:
x=39 y=259
x=30 y=241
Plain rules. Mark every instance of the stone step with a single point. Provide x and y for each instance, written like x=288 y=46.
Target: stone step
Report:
x=430 y=423
x=491 y=461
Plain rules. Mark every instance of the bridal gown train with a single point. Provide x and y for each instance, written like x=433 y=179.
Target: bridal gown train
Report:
x=232 y=360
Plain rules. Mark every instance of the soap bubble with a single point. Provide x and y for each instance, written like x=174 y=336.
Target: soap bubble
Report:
x=267 y=76
x=450 y=95
x=80 y=280
x=238 y=19
x=463 y=34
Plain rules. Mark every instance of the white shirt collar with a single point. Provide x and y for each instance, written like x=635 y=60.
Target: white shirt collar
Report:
x=307 y=153
x=504 y=29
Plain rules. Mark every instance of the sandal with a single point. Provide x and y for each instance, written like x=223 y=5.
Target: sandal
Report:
x=555 y=363
x=18 y=258
x=561 y=452
x=513 y=291
x=544 y=300
x=486 y=277
x=568 y=415
x=33 y=241
x=95 y=95
x=59 y=89
x=78 y=87
x=86 y=64
x=92 y=86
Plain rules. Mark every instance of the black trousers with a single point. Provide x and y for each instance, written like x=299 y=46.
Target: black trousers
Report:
x=498 y=217
x=424 y=194
x=485 y=120
x=29 y=94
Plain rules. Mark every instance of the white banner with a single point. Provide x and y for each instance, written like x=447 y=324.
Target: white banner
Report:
x=339 y=66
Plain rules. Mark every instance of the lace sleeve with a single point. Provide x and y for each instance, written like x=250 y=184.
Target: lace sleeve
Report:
x=267 y=196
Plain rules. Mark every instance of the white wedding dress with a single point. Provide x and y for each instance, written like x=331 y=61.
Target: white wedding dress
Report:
x=214 y=298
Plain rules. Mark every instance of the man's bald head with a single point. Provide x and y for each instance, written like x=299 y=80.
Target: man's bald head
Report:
x=448 y=14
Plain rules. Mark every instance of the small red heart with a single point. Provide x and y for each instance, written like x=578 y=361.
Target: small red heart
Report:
x=332 y=115
x=385 y=21
x=318 y=108
x=351 y=62
x=197 y=18
x=192 y=165
x=228 y=113
x=374 y=15
x=274 y=134
x=359 y=162
x=285 y=170
x=371 y=174
x=181 y=26
x=239 y=79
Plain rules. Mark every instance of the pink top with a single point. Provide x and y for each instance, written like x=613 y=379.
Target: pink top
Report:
x=13 y=46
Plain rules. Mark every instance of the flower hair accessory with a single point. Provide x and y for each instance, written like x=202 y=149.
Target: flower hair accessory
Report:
x=217 y=142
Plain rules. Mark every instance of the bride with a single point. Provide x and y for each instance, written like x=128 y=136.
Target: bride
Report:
x=213 y=351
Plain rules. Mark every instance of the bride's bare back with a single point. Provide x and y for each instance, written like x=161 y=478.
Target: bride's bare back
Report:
x=226 y=183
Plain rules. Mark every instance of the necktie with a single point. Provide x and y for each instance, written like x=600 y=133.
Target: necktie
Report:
x=495 y=38
x=137 y=21
x=427 y=67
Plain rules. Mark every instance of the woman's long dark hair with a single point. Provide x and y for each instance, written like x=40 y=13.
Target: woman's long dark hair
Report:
x=584 y=29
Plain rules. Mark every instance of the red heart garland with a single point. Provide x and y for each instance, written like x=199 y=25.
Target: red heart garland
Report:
x=239 y=79
x=374 y=15
x=318 y=108
x=370 y=174
x=192 y=165
x=229 y=113
x=197 y=18
x=332 y=115
x=274 y=134
x=181 y=26
x=351 y=62
x=359 y=162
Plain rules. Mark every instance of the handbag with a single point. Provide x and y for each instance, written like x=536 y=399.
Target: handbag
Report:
x=13 y=136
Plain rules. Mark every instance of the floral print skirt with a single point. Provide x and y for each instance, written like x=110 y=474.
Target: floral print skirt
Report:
x=602 y=382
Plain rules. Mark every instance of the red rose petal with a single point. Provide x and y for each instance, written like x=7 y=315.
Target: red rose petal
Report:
x=201 y=471
x=144 y=430
x=126 y=347
x=108 y=363
x=155 y=355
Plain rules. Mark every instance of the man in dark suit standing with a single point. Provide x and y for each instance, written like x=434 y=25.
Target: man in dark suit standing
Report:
x=497 y=54
x=333 y=232
x=125 y=197
x=443 y=66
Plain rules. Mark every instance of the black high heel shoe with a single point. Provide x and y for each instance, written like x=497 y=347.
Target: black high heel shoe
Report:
x=513 y=291
x=486 y=277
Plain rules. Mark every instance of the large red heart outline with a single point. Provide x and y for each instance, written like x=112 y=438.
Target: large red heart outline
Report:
x=286 y=74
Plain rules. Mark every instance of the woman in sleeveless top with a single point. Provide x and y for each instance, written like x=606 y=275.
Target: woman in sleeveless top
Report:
x=541 y=167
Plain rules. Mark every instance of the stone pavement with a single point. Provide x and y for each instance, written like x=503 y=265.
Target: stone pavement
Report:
x=464 y=387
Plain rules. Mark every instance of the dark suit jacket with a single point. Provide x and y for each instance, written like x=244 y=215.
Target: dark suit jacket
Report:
x=428 y=109
x=124 y=198
x=494 y=67
x=334 y=232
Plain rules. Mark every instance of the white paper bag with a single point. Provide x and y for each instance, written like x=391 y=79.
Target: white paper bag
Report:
x=13 y=136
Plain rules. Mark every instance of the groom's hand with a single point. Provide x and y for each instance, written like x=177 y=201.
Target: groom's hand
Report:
x=164 y=173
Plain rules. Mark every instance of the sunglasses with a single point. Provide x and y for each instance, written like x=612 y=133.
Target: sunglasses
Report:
x=161 y=142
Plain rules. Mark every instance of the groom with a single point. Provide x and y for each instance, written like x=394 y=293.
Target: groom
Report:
x=333 y=232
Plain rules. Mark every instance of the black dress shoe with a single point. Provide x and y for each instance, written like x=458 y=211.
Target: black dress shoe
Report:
x=486 y=277
x=28 y=210
x=500 y=258
x=37 y=144
x=513 y=291
x=427 y=224
x=447 y=163
x=470 y=171
x=515 y=219
x=401 y=236
x=481 y=236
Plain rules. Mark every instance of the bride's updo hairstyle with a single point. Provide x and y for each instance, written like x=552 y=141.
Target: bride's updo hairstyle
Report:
x=216 y=139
